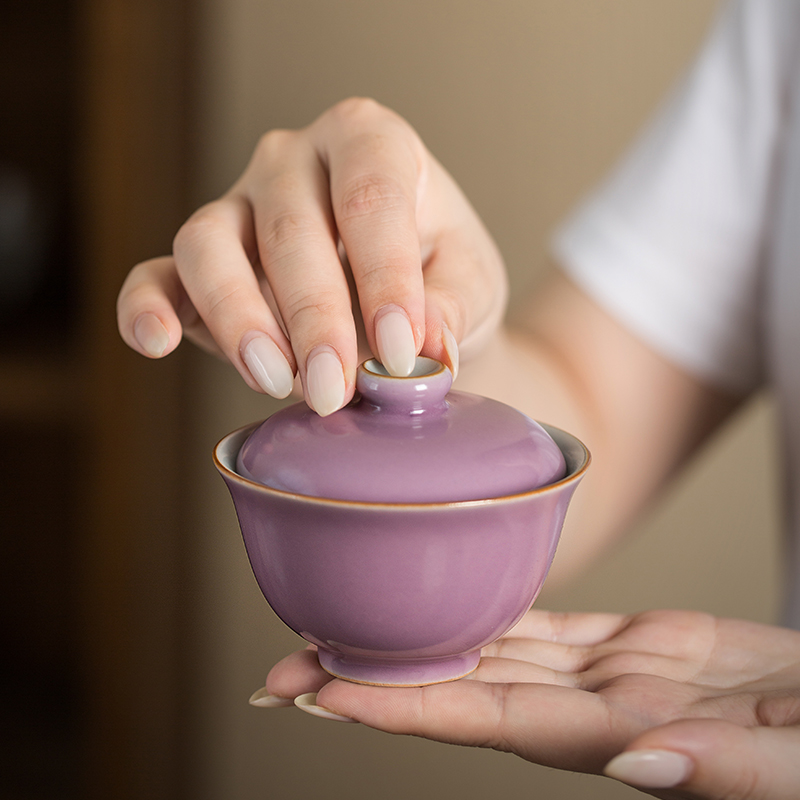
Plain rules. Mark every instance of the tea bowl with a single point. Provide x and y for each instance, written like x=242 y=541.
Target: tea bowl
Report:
x=400 y=593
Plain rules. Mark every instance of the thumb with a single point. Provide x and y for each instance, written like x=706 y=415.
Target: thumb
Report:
x=713 y=760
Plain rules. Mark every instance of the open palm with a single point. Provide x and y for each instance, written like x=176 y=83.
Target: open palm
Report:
x=574 y=690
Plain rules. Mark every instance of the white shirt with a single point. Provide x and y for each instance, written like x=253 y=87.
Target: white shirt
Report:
x=694 y=241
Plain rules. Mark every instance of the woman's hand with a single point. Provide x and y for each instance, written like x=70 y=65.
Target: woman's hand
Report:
x=681 y=704
x=352 y=206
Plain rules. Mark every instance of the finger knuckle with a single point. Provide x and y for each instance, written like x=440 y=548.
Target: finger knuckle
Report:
x=286 y=231
x=357 y=109
x=304 y=310
x=389 y=269
x=134 y=292
x=370 y=194
x=273 y=142
x=500 y=738
x=363 y=115
x=219 y=298
x=204 y=224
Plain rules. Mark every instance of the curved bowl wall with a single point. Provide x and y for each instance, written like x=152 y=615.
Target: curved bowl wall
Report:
x=396 y=593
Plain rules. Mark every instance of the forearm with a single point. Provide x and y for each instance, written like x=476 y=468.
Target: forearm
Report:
x=570 y=364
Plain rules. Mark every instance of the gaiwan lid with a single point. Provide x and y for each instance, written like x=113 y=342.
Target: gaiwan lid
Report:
x=403 y=440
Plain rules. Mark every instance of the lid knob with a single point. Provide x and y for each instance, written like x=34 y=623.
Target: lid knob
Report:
x=423 y=390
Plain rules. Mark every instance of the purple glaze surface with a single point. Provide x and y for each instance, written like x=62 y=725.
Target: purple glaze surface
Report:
x=394 y=593
x=403 y=440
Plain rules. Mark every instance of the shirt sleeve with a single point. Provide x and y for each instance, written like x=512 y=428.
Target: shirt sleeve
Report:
x=671 y=244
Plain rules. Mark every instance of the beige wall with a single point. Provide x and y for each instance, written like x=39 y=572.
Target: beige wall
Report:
x=527 y=103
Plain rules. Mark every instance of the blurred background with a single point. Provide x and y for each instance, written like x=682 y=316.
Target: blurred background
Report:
x=132 y=630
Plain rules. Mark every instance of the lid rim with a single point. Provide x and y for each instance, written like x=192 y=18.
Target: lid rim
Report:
x=572 y=476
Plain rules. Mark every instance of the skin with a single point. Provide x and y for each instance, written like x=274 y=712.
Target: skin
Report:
x=573 y=690
x=335 y=225
x=265 y=256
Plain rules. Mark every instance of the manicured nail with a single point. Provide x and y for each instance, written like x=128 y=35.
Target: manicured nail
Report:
x=269 y=367
x=450 y=348
x=325 y=382
x=151 y=334
x=651 y=769
x=308 y=703
x=395 y=339
x=263 y=699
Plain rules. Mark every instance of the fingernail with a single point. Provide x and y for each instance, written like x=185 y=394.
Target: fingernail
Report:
x=308 y=703
x=450 y=348
x=151 y=334
x=263 y=699
x=395 y=339
x=269 y=367
x=325 y=382
x=652 y=769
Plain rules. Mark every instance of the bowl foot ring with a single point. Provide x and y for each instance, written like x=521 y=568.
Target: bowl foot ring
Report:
x=409 y=672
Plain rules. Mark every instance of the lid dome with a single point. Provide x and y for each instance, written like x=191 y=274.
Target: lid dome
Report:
x=403 y=440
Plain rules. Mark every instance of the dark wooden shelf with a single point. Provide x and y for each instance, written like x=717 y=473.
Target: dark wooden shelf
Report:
x=98 y=131
x=38 y=387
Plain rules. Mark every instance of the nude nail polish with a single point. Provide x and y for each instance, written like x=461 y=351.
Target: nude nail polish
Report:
x=308 y=703
x=151 y=335
x=263 y=699
x=325 y=383
x=651 y=769
x=451 y=348
x=268 y=366
x=395 y=340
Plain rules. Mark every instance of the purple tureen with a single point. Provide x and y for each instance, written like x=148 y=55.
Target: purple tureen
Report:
x=406 y=531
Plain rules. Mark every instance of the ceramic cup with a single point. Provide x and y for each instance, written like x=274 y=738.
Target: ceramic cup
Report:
x=401 y=594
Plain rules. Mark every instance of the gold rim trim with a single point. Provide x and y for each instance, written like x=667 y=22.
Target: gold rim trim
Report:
x=441 y=368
